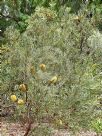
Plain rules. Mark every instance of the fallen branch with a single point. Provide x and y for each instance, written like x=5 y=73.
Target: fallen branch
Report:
x=28 y=128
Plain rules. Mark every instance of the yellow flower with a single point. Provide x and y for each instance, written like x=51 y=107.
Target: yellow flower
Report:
x=78 y=19
x=13 y=98
x=60 y=122
x=22 y=87
x=20 y=102
x=43 y=67
x=53 y=80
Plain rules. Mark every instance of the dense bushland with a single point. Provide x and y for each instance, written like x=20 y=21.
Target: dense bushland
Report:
x=59 y=60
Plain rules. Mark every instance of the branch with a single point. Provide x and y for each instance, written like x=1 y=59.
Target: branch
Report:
x=28 y=128
x=81 y=44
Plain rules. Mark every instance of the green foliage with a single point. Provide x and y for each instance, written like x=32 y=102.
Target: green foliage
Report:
x=96 y=8
x=16 y=12
x=70 y=47
x=97 y=125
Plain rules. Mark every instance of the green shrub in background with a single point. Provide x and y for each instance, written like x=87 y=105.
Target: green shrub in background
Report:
x=70 y=48
x=16 y=12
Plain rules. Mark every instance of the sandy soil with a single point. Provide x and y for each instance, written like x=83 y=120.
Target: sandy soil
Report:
x=17 y=129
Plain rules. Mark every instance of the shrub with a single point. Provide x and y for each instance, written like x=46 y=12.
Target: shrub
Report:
x=66 y=44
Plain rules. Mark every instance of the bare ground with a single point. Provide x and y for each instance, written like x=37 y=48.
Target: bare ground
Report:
x=17 y=129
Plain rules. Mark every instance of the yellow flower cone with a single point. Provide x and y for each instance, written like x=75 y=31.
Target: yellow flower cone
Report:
x=60 y=122
x=53 y=80
x=43 y=67
x=13 y=98
x=20 y=102
x=23 y=88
